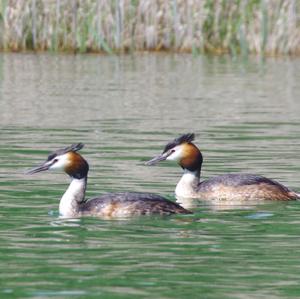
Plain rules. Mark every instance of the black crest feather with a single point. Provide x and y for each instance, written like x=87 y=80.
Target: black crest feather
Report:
x=185 y=138
x=72 y=148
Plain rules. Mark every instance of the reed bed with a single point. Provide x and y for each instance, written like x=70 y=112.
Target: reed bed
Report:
x=217 y=26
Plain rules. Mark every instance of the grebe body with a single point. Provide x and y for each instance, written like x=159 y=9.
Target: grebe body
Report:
x=130 y=204
x=235 y=187
x=74 y=204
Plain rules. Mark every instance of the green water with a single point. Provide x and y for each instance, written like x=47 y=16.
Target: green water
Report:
x=246 y=119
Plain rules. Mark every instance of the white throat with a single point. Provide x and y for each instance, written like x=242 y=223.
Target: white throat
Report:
x=69 y=203
x=187 y=186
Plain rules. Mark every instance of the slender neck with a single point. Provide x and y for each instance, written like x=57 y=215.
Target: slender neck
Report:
x=187 y=185
x=73 y=197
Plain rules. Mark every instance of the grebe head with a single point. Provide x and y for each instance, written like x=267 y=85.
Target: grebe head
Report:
x=66 y=159
x=183 y=151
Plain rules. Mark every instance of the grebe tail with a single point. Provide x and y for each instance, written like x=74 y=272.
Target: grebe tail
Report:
x=224 y=187
x=74 y=204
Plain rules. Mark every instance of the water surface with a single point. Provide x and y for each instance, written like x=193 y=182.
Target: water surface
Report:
x=246 y=118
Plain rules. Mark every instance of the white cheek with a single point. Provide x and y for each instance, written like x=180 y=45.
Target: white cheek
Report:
x=60 y=164
x=177 y=155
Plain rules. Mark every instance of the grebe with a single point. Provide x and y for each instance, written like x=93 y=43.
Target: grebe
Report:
x=73 y=203
x=235 y=187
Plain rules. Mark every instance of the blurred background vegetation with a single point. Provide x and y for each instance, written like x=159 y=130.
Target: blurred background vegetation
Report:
x=268 y=27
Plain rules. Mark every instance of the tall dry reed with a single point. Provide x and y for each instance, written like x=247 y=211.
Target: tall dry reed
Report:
x=236 y=26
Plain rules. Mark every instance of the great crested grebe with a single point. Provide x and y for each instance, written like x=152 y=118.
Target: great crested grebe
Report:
x=73 y=203
x=235 y=187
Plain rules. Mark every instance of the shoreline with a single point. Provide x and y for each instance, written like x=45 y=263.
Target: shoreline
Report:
x=216 y=27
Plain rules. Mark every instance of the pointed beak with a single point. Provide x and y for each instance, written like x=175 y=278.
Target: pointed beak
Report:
x=43 y=167
x=157 y=159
